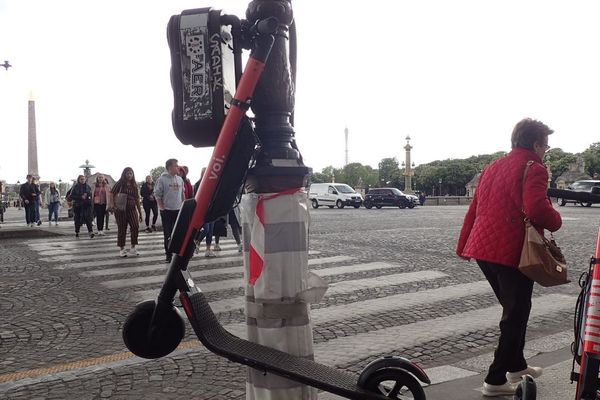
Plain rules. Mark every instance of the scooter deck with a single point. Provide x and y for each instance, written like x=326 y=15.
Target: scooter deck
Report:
x=218 y=340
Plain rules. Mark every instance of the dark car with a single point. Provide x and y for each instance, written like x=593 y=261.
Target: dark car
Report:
x=380 y=197
x=580 y=186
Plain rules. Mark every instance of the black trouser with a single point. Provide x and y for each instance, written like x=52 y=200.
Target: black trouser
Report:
x=168 y=218
x=100 y=211
x=30 y=213
x=513 y=290
x=82 y=214
x=150 y=206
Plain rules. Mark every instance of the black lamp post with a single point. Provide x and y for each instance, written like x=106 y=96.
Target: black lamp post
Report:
x=440 y=183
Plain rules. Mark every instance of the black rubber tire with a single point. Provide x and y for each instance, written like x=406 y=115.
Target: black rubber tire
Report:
x=315 y=203
x=168 y=331
x=411 y=205
x=368 y=205
x=561 y=202
x=339 y=204
x=402 y=379
x=588 y=204
x=401 y=205
x=357 y=206
x=378 y=206
x=527 y=390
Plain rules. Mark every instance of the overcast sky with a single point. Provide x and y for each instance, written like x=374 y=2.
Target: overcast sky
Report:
x=454 y=75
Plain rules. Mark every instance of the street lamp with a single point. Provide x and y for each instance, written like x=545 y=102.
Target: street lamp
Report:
x=59 y=185
x=440 y=183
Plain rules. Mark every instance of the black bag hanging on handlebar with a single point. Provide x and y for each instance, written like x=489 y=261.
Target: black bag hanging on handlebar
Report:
x=202 y=74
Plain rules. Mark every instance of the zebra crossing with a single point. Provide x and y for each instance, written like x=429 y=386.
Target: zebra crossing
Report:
x=96 y=261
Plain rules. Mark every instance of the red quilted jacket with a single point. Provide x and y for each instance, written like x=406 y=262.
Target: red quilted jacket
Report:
x=493 y=229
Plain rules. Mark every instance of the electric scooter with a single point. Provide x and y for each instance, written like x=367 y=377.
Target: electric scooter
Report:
x=586 y=346
x=155 y=327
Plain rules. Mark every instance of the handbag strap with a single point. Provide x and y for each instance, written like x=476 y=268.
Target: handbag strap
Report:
x=529 y=164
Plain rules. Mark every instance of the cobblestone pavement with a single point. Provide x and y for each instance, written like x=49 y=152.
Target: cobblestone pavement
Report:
x=396 y=288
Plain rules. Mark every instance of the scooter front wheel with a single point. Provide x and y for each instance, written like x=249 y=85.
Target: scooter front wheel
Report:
x=153 y=339
x=527 y=389
x=395 y=384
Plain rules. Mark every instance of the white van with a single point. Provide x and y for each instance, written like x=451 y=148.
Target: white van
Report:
x=333 y=194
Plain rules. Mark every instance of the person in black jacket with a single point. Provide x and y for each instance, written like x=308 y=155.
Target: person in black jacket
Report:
x=149 y=203
x=27 y=194
x=81 y=196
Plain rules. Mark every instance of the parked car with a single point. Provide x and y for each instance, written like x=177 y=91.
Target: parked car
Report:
x=380 y=197
x=333 y=194
x=580 y=186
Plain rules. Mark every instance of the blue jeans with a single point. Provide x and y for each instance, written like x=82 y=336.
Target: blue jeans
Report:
x=53 y=210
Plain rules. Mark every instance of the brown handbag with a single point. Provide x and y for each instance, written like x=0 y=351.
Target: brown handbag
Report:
x=542 y=261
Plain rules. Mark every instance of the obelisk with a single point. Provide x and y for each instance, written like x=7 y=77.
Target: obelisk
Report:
x=32 y=159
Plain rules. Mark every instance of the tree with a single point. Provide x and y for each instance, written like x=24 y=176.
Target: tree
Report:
x=591 y=157
x=389 y=172
x=318 y=177
x=558 y=161
x=157 y=172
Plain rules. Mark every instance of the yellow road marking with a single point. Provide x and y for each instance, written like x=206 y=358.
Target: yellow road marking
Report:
x=37 y=372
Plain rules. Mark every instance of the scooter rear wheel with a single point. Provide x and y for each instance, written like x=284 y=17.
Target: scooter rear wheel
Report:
x=395 y=384
x=154 y=341
x=527 y=389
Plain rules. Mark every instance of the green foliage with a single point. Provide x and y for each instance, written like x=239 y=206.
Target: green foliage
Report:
x=592 y=159
x=558 y=161
x=389 y=172
x=157 y=172
x=451 y=176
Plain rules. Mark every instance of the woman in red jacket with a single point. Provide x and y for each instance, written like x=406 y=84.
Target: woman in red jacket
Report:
x=493 y=233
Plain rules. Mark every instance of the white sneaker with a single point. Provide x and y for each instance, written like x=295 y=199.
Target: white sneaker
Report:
x=209 y=254
x=217 y=247
x=56 y=223
x=516 y=377
x=499 y=390
x=123 y=253
x=133 y=251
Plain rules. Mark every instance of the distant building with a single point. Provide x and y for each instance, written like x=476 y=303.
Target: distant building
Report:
x=576 y=172
x=471 y=186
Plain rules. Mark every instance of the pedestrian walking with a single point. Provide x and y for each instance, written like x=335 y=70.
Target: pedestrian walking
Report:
x=493 y=234
x=149 y=203
x=219 y=231
x=188 y=189
x=27 y=196
x=53 y=203
x=169 y=197
x=101 y=191
x=81 y=196
x=236 y=226
x=126 y=205
x=37 y=199
x=208 y=227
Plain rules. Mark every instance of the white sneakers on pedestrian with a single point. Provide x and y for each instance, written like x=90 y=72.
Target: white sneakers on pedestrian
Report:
x=209 y=254
x=123 y=253
x=506 y=389
x=133 y=251
x=217 y=247
x=515 y=377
